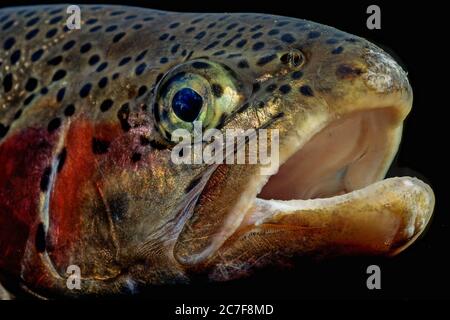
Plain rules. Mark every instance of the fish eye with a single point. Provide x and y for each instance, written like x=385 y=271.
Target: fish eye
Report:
x=198 y=90
x=186 y=104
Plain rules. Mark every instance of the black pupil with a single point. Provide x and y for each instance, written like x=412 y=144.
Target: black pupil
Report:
x=187 y=104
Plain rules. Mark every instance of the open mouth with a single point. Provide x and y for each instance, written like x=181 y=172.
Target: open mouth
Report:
x=339 y=172
x=349 y=154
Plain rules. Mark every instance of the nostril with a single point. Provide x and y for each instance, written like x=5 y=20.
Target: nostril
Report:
x=294 y=58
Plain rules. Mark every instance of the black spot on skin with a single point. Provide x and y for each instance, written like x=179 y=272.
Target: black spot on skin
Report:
x=164 y=36
x=30 y=35
x=257 y=35
x=123 y=115
x=256 y=87
x=222 y=35
x=217 y=90
x=55 y=61
x=68 y=45
x=345 y=71
x=95 y=29
x=200 y=65
x=7 y=82
x=135 y=157
x=118 y=205
x=142 y=90
x=200 y=35
x=44 y=91
x=31 y=84
x=9 y=43
x=45 y=179
x=51 y=33
x=60 y=94
x=91 y=21
x=192 y=184
x=332 y=41
x=140 y=69
x=106 y=105
x=232 y=26
x=243 y=64
x=273 y=32
x=102 y=67
x=241 y=43
x=85 y=47
x=61 y=159
x=261 y=104
x=84 y=92
x=256 y=28
x=37 y=55
x=124 y=61
x=141 y=55
x=296 y=75
x=102 y=82
x=174 y=25
x=306 y=91
x=271 y=87
x=219 y=53
x=266 y=59
x=118 y=36
x=69 y=110
x=55 y=20
x=3 y=130
x=99 y=146
x=313 y=34
x=28 y=100
x=59 y=75
x=337 y=50
x=174 y=48
x=285 y=88
x=53 y=125
x=258 y=46
x=288 y=38
x=156 y=145
x=32 y=22
x=110 y=28
x=94 y=59
x=15 y=57
x=144 y=141
x=17 y=114
x=40 y=241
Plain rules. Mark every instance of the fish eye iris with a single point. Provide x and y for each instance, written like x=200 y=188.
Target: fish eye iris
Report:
x=186 y=104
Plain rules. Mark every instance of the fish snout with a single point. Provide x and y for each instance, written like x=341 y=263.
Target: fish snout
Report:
x=383 y=74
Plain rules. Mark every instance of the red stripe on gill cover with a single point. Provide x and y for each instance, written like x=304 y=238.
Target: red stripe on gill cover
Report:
x=23 y=159
x=74 y=186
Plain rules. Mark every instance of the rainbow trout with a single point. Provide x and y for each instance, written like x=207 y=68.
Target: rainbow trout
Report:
x=87 y=121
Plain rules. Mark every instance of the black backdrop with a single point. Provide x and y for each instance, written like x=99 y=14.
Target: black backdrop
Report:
x=413 y=31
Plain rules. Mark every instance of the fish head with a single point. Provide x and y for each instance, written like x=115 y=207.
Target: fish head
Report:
x=131 y=206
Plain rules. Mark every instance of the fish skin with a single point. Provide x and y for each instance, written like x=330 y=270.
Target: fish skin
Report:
x=88 y=184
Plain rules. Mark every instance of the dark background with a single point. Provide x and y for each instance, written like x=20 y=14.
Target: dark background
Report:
x=413 y=31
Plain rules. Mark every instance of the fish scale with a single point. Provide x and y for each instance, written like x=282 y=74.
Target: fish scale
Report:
x=86 y=120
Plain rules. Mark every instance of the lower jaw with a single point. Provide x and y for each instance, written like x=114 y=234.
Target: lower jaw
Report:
x=338 y=172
